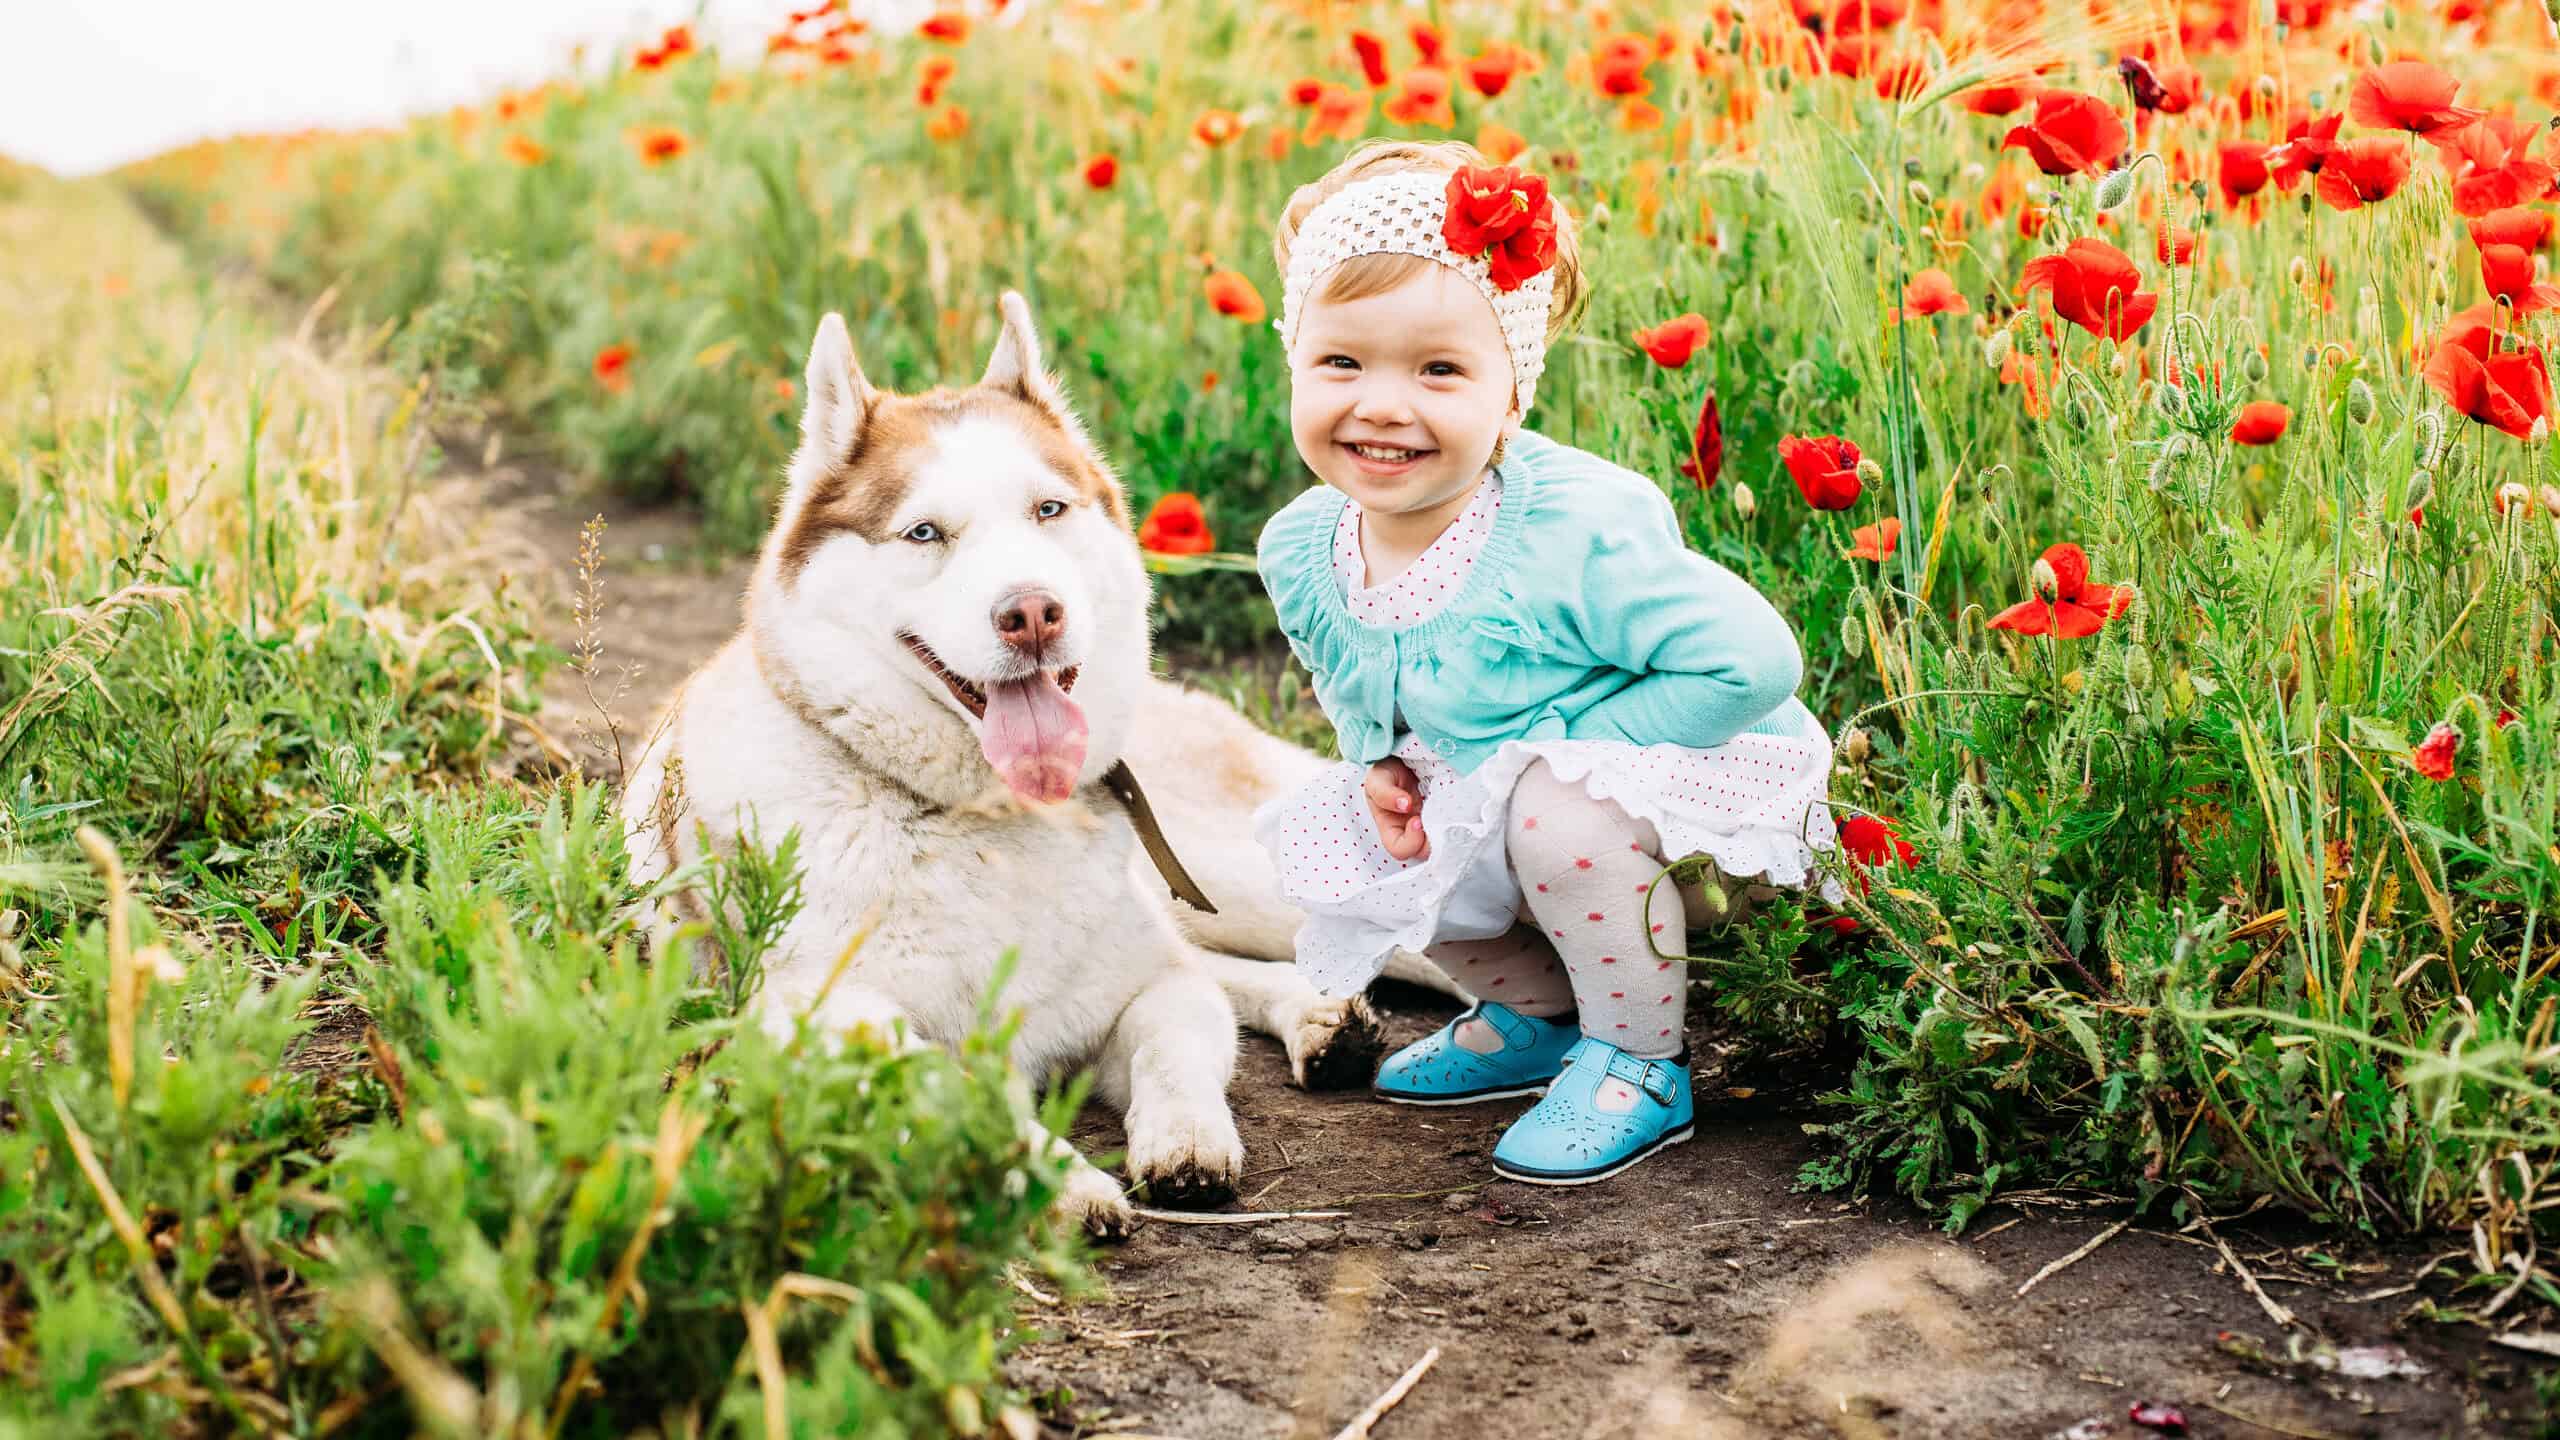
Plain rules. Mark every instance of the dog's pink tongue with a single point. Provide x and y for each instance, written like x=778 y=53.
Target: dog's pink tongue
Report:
x=1034 y=736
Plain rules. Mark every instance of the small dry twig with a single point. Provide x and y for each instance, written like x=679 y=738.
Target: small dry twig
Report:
x=1258 y=1217
x=2248 y=1282
x=1362 y=1423
x=2076 y=1256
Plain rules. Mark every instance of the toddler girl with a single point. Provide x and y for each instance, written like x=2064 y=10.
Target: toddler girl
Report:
x=1541 y=694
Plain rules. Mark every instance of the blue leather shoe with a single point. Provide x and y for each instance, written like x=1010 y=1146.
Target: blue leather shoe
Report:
x=1605 y=1112
x=1437 y=1070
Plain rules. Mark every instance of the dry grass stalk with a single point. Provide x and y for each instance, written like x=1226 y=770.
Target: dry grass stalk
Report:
x=137 y=1246
x=677 y=1133
x=74 y=657
x=124 y=981
x=441 y=1397
x=587 y=608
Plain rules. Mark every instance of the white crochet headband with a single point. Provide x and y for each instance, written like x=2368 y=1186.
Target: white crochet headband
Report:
x=1404 y=214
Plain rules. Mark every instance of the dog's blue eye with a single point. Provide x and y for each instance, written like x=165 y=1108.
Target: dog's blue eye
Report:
x=924 y=532
x=1051 y=509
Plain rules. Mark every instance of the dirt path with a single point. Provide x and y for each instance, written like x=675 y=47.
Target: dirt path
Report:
x=1699 y=1294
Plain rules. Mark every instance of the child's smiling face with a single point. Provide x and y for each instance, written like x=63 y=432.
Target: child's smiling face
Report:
x=1417 y=376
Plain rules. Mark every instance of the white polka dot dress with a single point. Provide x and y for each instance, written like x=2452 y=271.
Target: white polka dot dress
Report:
x=1756 y=804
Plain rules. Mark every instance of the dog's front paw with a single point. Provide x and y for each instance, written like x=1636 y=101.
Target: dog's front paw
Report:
x=1185 y=1158
x=1335 y=1045
x=1093 y=1200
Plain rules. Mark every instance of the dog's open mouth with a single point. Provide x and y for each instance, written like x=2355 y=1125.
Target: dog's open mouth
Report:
x=1028 y=729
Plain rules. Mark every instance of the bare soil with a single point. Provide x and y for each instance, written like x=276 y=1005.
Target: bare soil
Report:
x=1700 y=1294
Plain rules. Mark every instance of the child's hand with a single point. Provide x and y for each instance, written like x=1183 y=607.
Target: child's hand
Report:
x=1395 y=803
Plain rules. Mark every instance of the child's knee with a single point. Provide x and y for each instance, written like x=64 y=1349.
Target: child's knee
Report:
x=1555 y=823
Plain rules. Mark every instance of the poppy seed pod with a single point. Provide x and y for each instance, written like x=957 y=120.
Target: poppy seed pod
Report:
x=2253 y=367
x=2116 y=188
x=1745 y=504
x=2450 y=463
x=2137 y=668
x=2512 y=497
x=2359 y=401
x=2265 y=85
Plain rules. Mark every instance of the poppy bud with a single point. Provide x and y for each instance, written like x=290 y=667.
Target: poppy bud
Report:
x=2253 y=367
x=2265 y=85
x=1920 y=194
x=2430 y=430
x=2046 y=585
x=1869 y=472
x=1995 y=348
x=2173 y=401
x=2451 y=464
x=1855 y=747
x=2166 y=461
x=2310 y=357
x=2422 y=489
x=2116 y=188
x=2541 y=430
x=1744 y=503
x=2297 y=272
x=2200 y=190
x=2512 y=496
x=1800 y=375
x=1599 y=214
x=2359 y=401
x=2137 y=669
x=1853 y=634
x=2437 y=292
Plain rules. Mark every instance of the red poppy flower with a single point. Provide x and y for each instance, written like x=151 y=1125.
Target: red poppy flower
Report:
x=1423 y=100
x=1902 y=78
x=1306 y=92
x=2507 y=271
x=2072 y=134
x=2169 y=90
x=1875 y=542
x=1873 y=840
x=1854 y=17
x=2493 y=165
x=659 y=144
x=1618 y=66
x=1825 y=469
x=2067 y=603
x=1932 y=292
x=1373 y=57
x=1341 y=113
x=931 y=76
x=613 y=368
x=949 y=26
x=1672 y=342
x=2479 y=376
x=2434 y=756
x=1428 y=42
x=2260 y=422
x=1217 y=127
x=2176 y=246
x=2524 y=229
x=524 y=150
x=1502 y=214
x=951 y=124
x=2095 y=287
x=1101 y=171
x=2364 y=171
x=2305 y=150
x=1231 y=294
x=1706 y=445
x=1493 y=71
x=2408 y=95
x=2000 y=99
x=1176 y=525
x=2243 y=170
x=1500 y=145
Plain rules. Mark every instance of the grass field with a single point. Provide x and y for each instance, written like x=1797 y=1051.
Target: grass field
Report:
x=2209 y=860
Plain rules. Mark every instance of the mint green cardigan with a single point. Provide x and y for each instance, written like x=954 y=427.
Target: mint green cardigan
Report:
x=1585 y=617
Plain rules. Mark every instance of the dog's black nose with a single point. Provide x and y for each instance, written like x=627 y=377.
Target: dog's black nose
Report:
x=1031 y=621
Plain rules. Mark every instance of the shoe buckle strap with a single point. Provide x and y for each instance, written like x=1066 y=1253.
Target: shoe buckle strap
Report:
x=1657 y=1078
x=1511 y=1026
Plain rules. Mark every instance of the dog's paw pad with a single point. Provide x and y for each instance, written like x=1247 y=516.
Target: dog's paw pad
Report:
x=1336 y=1045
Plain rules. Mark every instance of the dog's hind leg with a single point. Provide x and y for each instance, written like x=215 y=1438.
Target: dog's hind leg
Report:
x=1165 y=1068
x=1332 y=1044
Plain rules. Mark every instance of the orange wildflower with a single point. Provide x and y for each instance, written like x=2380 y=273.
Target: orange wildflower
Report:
x=1933 y=292
x=1217 y=127
x=1501 y=146
x=951 y=124
x=659 y=144
x=950 y=27
x=613 y=368
x=1423 y=100
x=1232 y=295
x=1340 y=114
x=524 y=150
x=1617 y=67
x=931 y=76
x=1635 y=117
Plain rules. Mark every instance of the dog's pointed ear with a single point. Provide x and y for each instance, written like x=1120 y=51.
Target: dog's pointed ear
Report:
x=839 y=399
x=1015 y=366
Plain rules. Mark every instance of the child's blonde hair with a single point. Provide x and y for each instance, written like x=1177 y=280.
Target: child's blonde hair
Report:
x=1364 y=275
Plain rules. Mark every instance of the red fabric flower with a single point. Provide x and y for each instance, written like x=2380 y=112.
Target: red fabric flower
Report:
x=1233 y=295
x=2260 y=422
x=1875 y=542
x=2408 y=95
x=1373 y=58
x=1176 y=525
x=2478 y=375
x=1825 y=469
x=2076 y=606
x=1706 y=445
x=2243 y=170
x=613 y=368
x=1101 y=171
x=2507 y=271
x=2493 y=165
x=1933 y=292
x=2364 y=171
x=2434 y=756
x=2072 y=134
x=2095 y=287
x=1503 y=215
x=1672 y=342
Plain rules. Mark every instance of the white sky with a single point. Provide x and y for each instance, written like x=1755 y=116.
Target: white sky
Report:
x=89 y=84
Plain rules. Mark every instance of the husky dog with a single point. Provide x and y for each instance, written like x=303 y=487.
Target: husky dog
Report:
x=942 y=682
